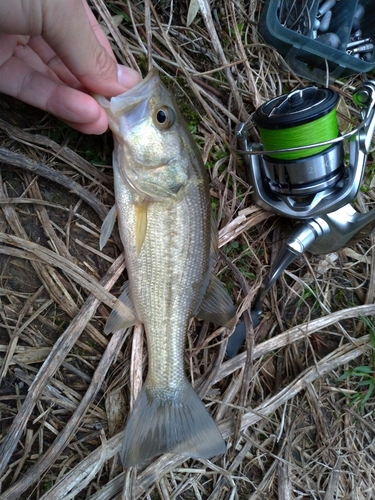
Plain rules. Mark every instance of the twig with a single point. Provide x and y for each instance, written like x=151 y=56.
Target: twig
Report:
x=52 y=363
x=168 y=462
x=21 y=161
x=34 y=473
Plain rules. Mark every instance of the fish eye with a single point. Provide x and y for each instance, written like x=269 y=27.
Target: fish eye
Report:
x=164 y=117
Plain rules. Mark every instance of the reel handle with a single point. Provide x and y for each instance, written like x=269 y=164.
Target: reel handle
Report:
x=321 y=235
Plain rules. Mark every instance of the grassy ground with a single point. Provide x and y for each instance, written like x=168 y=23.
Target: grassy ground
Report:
x=295 y=406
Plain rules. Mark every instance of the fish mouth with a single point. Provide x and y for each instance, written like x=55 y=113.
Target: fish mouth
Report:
x=123 y=103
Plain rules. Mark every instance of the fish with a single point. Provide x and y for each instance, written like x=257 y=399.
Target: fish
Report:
x=162 y=204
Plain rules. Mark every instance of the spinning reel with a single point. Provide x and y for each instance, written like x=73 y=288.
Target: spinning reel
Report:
x=298 y=172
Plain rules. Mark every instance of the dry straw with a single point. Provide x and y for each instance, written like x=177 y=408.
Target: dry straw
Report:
x=295 y=427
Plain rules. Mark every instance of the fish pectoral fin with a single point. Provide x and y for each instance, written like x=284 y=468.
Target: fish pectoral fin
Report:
x=177 y=424
x=123 y=313
x=140 y=224
x=217 y=305
x=107 y=227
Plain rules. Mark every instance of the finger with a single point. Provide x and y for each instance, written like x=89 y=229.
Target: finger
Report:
x=35 y=52
x=68 y=29
x=9 y=43
x=99 y=33
x=70 y=105
x=53 y=62
x=97 y=127
x=30 y=58
x=126 y=76
x=89 y=61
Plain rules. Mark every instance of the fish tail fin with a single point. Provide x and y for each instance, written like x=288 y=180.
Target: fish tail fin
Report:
x=179 y=424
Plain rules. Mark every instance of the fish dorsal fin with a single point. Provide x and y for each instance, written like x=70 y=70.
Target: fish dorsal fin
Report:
x=107 y=227
x=123 y=313
x=217 y=305
x=214 y=254
x=140 y=224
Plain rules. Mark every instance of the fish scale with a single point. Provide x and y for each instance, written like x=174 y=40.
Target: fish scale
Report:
x=170 y=302
x=164 y=216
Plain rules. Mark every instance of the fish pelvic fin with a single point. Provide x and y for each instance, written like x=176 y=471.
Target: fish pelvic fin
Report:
x=140 y=224
x=123 y=314
x=177 y=424
x=217 y=305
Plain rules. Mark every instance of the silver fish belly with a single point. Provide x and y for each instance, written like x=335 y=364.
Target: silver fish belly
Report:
x=163 y=209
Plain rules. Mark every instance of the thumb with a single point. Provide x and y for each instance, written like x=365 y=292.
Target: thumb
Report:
x=75 y=35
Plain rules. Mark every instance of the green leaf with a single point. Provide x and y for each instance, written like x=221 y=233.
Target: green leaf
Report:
x=192 y=12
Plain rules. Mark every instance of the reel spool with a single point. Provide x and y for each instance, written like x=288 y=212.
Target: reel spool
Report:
x=301 y=118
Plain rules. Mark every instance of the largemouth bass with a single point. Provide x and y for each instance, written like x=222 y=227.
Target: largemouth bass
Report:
x=170 y=243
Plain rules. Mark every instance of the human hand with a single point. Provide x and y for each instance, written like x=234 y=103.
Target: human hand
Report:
x=52 y=54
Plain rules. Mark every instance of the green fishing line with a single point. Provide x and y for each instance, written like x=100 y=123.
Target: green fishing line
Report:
x=320 y=130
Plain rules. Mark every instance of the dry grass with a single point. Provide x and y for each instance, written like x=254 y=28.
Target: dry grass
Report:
x=295 y=427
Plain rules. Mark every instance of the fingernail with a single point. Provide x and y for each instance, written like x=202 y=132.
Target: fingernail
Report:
x=127 y=77
x=121 y=76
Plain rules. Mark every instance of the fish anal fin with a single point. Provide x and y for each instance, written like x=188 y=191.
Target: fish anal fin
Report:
x=179 y=424
x=107 y=227
x=217 y=305
x=140 y=224
x=122 y=314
